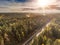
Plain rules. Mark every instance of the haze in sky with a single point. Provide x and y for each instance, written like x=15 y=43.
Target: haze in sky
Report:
x=23 y=6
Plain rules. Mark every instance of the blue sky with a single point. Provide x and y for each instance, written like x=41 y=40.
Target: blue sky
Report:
x=21 y=0
x=16 y=0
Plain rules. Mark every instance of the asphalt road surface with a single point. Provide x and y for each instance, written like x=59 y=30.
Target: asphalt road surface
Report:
x=37 y=32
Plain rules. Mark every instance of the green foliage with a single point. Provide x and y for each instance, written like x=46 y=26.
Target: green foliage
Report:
x=50 y=35
x=15 y=30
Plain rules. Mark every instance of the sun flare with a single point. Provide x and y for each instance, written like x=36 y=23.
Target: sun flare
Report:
x=44 y=3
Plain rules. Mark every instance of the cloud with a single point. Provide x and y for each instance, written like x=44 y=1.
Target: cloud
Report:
x=8 y=6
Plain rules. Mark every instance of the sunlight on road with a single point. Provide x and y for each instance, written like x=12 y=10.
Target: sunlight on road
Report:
x=43 y=29
x=48 y=24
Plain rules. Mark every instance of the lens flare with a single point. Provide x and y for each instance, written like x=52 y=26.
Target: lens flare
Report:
x=44 y=3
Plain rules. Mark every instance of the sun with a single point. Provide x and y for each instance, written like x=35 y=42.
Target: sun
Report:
x=44 y=3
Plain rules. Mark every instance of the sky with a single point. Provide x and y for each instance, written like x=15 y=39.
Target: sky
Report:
x=21 y=6
x=15 y=0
